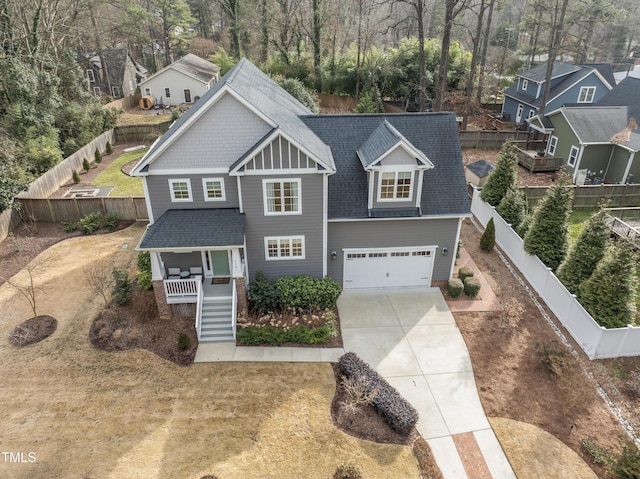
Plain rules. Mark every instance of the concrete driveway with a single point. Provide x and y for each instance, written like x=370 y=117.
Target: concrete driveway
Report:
x=410 y=337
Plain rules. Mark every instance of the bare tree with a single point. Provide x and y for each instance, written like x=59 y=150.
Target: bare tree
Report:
x=99 y=277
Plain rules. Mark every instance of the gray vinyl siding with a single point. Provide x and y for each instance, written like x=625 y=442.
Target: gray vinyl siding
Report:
x=160 y=193
x=308 y=224
x=398 y=157
x=566 y=139
x=184 y=261
x=390 y=233
x=572 y=95
x=219 y=138
x=396 y=203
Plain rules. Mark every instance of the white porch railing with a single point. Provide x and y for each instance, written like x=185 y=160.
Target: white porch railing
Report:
x=182 y=290
x=199 y=309
x=234 y=308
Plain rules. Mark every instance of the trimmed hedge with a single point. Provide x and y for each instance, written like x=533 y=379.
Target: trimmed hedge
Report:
x=455 y=287
x=388 y=403
x=471 y=286
x=465 y=272
x=271 y=335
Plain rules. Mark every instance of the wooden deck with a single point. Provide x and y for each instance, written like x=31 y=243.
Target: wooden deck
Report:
x=534 y=163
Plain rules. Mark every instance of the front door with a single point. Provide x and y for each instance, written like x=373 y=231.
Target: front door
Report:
x=217 y=263
x=187 y=96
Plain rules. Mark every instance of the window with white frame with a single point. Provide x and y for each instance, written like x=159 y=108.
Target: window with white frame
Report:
x=213 y=189
x=531 y=113
x=97 y=91
x=395 y=186
x=115 y=91
x=91 y=76
x=180 y=190
x=167 y=92
x=573 y=156
x=551 y=148
x=282 y=197
x=287 y=247
x=525 y=84
x=586 y=94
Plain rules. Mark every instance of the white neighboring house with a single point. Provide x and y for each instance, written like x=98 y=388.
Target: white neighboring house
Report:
x=184 y=81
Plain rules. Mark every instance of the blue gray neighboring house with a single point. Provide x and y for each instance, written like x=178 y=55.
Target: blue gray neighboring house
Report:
x=570 y=84
x=250 y=180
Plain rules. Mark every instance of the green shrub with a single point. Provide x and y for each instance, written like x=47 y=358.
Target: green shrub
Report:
x=598 y=454
x=86 y=166
x=108 y=148
x=110 y=221
x=552 y=355
x=97 y=156
x=121 y=286
x=69 y=226
x=75 y=176
x=307 y=293
x=90 y=223
x=627 y=463
x=144 y=280
x=471 y=286
x=488 y=238
x=465 y=272
x=347 y=471
x=184 y=342
x=297 y=334
x=144 y=261
x=455 y=287
x=262 y=294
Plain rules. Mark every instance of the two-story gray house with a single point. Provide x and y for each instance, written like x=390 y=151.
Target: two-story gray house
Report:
x=250 y=180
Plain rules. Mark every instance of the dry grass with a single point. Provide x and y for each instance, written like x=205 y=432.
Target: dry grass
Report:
x=86 y=413
x=143 y=118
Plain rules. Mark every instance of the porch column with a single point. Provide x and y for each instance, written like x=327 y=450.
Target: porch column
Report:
x=237 y=271
x=236 y=263
x=157 y=272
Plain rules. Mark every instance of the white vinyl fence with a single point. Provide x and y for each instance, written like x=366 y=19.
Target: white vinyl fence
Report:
x=596 y=341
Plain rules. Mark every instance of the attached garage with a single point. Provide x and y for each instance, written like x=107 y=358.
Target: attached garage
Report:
x=386 y=267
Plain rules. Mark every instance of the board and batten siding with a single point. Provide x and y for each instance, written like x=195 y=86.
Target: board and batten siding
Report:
x=308 y=224
x=219 y=138
x=393 y=233
x=160 y=193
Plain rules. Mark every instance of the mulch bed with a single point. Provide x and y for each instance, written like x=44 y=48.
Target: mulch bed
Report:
x=136 y=325
x=33 y=330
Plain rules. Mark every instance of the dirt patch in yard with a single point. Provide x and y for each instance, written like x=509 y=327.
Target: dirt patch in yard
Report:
x=33 y=330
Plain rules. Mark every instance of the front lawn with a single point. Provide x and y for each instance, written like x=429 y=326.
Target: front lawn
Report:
x=124 y=185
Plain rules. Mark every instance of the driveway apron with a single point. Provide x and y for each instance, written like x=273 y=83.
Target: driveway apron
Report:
x=410 y=337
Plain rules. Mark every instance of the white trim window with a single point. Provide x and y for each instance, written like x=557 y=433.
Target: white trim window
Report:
x=551 y=148
x=573 y=156
x=286 y=247
x=586 y=94
x=213 y=189
x=90 y=75
x=115 y=91
x=96 y=91
x=147 y=91
x=282 y=197
x=180 y=190
x=525 y=84
x=519 y=113
x=395 y=186
x=167 y=92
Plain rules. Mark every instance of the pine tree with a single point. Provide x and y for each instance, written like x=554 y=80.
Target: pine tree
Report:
x=488 y=238
x=585 y=254
x=502 y=177
x=97 y=156
x=108 y=148
x=513 y=207
x=75 y=176
x=547 y=235
x=86 y=166
x=608 y=294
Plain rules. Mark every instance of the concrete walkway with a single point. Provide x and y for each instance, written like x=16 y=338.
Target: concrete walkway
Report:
x=410 y=337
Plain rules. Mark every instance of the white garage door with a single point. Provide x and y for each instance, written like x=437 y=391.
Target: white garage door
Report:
x=383 y=267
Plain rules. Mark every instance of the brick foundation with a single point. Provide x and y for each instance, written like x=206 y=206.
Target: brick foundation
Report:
x=241 y=288
x=164 y=310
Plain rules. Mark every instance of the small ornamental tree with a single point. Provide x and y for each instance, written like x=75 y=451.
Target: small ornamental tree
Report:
x=108 y=148
x=97 y=156
x=488 y=238
x=547 y=235
x=513 y=207
x=585 y=254
x=608 y=293
x=502 y=177
x=86 y=166
x=75 y=176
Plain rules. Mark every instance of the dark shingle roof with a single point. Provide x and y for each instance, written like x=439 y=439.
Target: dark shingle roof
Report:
x=435 y=134
x=539 y=73
x=596 y=124
x=380 y=141
x=196 y=228
x=605 y=70
x=481 y=168
x=395 y=212
x=626 y=93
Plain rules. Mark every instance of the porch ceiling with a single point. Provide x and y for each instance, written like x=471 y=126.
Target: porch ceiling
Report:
x=197 y=228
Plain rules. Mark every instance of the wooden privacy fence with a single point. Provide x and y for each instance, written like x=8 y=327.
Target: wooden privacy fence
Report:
x=57 y=210
x=125 y=103
x=591 y=195
x=490 y=138
x=597 y=342
x=148 y=133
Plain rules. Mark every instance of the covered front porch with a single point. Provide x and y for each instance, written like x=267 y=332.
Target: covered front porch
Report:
x=198 y=268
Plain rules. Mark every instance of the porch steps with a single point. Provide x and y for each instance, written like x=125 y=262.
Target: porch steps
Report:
x=216 y=323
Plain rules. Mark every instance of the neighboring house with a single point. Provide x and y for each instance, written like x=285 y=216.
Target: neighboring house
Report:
x=184 y=81
x=633 y=71
x=250 y=180
x=599 y=143
x=123 y=73
x=580 y=84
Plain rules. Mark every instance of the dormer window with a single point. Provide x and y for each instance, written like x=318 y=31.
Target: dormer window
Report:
x=395 y=186
x=586 y=94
